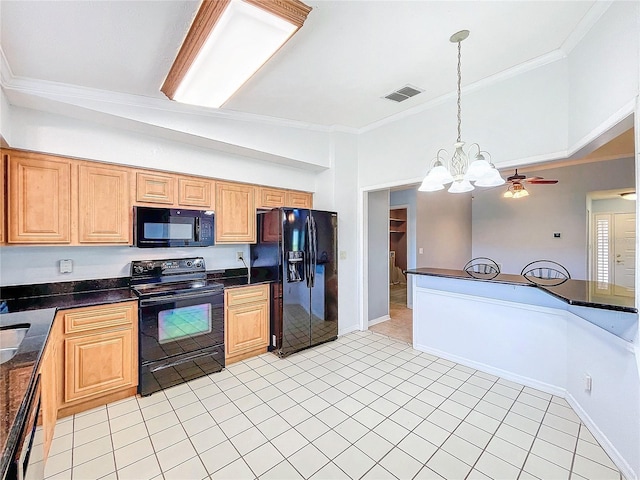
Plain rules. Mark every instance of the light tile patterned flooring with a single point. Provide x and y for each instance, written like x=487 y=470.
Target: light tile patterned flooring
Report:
x=364 y=406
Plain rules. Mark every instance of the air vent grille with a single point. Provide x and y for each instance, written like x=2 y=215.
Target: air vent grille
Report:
x=403 y=93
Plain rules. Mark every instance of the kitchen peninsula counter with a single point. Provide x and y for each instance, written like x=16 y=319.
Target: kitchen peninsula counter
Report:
x=573 y=292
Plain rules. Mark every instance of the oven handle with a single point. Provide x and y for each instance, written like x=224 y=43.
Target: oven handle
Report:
x=182 y=360
x=171 y=298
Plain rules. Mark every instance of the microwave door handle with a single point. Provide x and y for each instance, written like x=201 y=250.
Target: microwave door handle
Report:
x=196 y=233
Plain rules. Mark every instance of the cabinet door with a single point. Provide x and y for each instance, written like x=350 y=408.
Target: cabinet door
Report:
x=235 y=213
x=271 y=198
x=3 y=225
x=155 y=188
x=103 y=195
x=247 y=328
x=299 y=199
x=39 y=199
x=195 y=192
x=99 y=363
x=49 y=381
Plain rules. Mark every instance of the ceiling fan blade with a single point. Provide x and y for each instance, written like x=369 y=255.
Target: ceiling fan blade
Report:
x=542 y=181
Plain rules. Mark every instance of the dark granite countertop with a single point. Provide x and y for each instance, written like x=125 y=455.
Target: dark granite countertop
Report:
x=18 y=378
x=574 y=292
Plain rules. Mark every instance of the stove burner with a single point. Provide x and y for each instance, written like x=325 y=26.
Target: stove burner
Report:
x=173 y=276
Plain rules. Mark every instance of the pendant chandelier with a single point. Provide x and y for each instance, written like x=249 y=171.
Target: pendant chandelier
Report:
x=458 y=170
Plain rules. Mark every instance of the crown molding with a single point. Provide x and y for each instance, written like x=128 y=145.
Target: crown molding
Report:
x=62 y=92
x=585 y=25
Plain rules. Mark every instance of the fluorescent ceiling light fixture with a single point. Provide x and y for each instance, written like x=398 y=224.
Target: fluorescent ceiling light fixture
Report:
x=628 y=195
x=228 y=42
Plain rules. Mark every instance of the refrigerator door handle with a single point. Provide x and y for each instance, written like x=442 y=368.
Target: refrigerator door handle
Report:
x=314 y=255
x=307 y=251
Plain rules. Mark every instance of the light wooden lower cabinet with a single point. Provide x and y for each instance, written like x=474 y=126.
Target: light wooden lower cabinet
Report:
x=98 y=356
x=246 y=328
x=97 y=364
x=49 y=379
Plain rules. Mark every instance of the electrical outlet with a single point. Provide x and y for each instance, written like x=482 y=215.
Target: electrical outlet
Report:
x=66 y=266
x=588 y=382
x=239 y=256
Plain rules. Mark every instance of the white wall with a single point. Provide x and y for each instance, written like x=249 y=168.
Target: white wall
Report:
x=443 y=229
x=616 y=205
x=50 y=133
x=514 y=232
x=378 y=255
x=603 y=72
x=26 y=265
x=336 y=190
x=515 y=119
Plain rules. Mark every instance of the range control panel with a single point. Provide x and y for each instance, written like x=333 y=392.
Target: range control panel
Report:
x=158 y=268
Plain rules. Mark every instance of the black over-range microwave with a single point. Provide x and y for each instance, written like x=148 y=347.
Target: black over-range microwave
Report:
x=168 y=227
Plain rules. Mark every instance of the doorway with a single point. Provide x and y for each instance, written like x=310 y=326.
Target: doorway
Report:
x=613 y=246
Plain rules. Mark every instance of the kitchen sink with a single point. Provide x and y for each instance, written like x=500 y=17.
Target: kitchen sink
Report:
x=10 y=339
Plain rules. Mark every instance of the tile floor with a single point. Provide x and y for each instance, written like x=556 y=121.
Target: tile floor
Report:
x=364 y=406
x=400 y=326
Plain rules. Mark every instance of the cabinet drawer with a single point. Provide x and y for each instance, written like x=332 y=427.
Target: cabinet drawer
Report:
x=271 y=198
x=241 y=295
x=194 y=192
x=94 y=318
x=154 y=188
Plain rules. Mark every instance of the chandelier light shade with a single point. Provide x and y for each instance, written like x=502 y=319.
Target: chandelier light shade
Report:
x=229 y=40
x=459 y=171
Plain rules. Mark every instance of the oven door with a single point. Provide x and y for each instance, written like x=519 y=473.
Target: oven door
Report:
x=181 y=337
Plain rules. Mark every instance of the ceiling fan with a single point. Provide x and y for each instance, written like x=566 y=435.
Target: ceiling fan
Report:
x=516 y=183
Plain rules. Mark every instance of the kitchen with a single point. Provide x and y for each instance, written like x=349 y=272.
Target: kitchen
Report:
x=336 y=165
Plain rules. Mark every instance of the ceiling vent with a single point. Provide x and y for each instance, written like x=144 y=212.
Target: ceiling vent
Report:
x=403 y=93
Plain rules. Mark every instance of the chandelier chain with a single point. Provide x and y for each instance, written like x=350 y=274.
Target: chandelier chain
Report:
x=459 y=91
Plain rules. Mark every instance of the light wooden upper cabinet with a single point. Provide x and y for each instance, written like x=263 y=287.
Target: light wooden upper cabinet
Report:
x=172 y=190
x=299 y=199
x=195 y=192
x=39 y=198
x=103 y=204
x=155 y=188
x=271 y=197
x=235 y=220
x=277 y=197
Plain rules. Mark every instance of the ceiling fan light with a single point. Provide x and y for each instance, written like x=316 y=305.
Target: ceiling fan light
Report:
x=491 y=179
x=521 y=193
x=460 y=186
x=508 y=194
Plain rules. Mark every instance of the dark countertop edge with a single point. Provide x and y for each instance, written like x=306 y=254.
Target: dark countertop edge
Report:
x=525 y=283
x=18 y=420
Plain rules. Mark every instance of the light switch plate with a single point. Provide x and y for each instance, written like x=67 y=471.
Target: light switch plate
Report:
x=343 y=255
x=66 y=266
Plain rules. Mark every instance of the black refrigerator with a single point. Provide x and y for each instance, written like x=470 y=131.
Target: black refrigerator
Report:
x=297 y=249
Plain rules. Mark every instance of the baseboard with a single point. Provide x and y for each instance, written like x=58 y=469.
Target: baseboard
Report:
x=498 y=372
x=351 y=328
x=381 y=319
x=602 y=439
